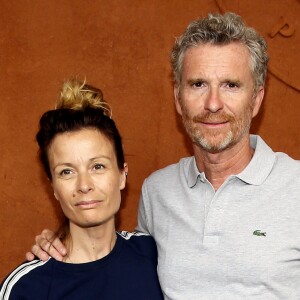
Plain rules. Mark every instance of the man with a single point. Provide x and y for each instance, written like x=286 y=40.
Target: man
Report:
x=226 y=221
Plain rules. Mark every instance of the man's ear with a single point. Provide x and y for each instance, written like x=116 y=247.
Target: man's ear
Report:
x=258 y=100
x=177 y=99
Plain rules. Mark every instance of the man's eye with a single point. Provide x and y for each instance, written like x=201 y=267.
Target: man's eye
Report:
x=232 y=84
x=198 y=84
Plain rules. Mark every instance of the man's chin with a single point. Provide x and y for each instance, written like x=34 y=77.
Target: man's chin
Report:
x=214 y=149
x=214 y=145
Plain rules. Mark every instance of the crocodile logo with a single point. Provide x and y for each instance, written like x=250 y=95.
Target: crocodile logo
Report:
x=259 y=233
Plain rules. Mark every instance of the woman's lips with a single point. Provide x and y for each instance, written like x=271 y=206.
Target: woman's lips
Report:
x=89 y=204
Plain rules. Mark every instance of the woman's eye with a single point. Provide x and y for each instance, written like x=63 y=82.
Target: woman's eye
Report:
x=65 y=172
x=98 y=166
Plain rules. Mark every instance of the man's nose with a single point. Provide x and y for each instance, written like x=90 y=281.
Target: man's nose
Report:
x=213 y=101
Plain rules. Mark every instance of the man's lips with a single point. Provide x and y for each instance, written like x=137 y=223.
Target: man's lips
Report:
x=214 y=124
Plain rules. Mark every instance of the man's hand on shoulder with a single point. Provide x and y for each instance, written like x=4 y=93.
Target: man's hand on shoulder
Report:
x=47 y=245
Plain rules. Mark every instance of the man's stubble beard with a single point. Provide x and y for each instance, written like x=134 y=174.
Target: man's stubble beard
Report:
x=217 y=140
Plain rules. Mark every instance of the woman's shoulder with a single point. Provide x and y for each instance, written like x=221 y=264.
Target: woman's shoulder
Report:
x=25 y=277
x=140 y=243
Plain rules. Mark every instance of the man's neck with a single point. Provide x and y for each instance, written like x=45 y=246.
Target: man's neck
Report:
x=219 y=166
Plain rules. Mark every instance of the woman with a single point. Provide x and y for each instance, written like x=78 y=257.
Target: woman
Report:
x=81 y=151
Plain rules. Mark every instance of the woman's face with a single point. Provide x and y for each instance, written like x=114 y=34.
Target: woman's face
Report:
x=85 y=177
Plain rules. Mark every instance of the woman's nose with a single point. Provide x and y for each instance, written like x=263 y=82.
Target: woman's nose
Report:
x=85 y=183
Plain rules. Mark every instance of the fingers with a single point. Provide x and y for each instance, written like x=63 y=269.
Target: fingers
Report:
x=43 y=241
x=46 y=245
x=57 y=249
x=29 y=256
x=39 y=252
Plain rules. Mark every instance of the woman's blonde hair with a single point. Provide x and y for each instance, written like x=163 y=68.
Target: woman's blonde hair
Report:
x=77 y=95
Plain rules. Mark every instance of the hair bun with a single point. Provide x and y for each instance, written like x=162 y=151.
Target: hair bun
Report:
x=78 y=95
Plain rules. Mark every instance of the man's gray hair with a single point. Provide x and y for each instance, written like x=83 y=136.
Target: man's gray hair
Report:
x=217 y=29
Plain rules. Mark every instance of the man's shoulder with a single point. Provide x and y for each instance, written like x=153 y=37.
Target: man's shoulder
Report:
x=264 y=150
x=285 y=162
x=171 y=170
x=284 y=157
x=273 y=162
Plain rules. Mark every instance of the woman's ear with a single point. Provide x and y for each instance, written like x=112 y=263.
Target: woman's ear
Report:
x=123 y=176
x=54 y=193
x=56 y=196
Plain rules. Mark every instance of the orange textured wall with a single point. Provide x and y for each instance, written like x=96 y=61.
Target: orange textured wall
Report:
x=122 y=47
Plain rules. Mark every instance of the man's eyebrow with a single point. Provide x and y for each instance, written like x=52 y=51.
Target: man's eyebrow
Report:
x=235 y=80
x=196 y=79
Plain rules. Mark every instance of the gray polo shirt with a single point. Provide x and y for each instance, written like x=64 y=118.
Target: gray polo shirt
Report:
x=241 y=242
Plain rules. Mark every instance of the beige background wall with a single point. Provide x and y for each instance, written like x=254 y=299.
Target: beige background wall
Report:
x=122 y=47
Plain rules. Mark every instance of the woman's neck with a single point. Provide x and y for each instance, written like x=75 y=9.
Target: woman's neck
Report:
x=90 y=244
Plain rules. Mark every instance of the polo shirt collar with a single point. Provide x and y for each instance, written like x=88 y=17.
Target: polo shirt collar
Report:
x=261 y=163
x=193 y=173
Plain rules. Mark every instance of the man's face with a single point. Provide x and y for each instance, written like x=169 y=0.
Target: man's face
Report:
x=216 y=95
